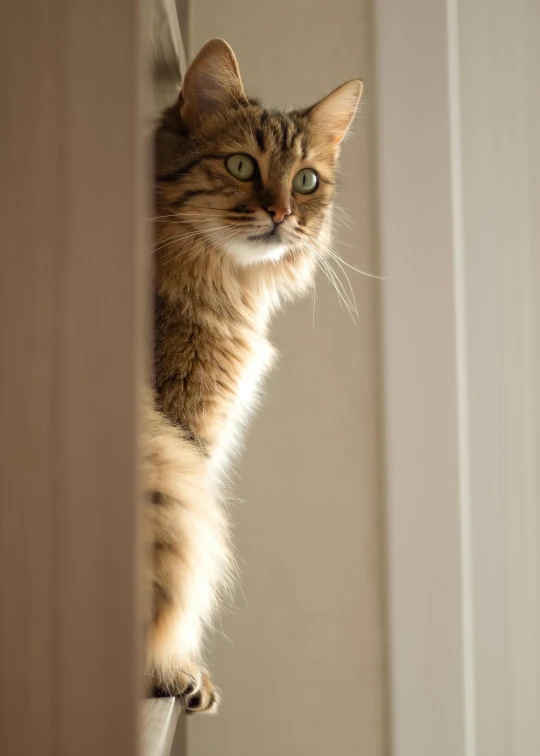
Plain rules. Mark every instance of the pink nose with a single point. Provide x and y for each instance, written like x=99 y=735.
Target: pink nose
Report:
x=279 y=212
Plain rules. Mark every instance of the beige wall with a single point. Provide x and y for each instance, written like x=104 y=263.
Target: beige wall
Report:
x=303 y=671
x=73 y=247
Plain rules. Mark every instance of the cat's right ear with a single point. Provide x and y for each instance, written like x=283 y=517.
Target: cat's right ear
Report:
x=212 y=83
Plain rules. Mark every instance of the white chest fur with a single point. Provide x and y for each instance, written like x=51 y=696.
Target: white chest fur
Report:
x=259 y=360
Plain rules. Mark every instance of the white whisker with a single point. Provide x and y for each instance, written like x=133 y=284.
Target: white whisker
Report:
x=337 y=258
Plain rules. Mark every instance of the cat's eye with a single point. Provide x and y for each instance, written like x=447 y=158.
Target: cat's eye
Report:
x=305 y=181
x=240 y=166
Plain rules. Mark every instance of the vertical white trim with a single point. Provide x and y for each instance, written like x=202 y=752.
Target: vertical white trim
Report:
x=470 y=206
x=176 y=34
x=467 y=617
x=424 y=427
x=497 y=82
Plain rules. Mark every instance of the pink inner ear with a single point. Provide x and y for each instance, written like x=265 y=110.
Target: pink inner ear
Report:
x=208 y=93
x=335 y=112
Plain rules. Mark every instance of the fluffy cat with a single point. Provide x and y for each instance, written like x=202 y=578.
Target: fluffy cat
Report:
x=243 y=209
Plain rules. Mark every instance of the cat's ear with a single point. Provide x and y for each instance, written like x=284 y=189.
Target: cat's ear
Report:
x=334 y=114
x=212 y=83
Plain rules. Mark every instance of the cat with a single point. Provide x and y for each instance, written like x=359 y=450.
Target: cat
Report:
x=243 y=199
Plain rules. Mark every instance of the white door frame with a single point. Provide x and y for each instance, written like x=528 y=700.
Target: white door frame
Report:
x=459 y=173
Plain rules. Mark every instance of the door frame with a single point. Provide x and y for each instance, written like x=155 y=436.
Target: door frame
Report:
x=459 y=178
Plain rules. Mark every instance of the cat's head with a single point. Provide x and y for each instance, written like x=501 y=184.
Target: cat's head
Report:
x=254 y=183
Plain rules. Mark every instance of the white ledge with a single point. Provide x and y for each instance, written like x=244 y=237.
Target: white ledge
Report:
x=159 y=720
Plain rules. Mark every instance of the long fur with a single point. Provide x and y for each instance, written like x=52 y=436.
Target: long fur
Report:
x=223 y=266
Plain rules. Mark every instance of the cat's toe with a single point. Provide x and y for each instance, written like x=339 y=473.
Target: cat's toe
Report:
x=194 y=687
x=204 y=699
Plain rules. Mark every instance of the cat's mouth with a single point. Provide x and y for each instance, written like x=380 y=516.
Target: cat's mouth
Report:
x=272 y=236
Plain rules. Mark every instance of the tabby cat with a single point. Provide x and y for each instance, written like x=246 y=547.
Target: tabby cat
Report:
x=243 y=204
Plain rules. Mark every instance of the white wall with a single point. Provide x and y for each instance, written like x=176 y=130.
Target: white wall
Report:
x=498 y=69
x=458 y=117
x=303 y=671
x=422 y=423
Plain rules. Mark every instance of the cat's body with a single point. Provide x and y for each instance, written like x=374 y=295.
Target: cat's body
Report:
x=234 y=240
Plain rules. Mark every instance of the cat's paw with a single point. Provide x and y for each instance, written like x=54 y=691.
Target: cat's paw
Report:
x=195 y=688
x=202 y=697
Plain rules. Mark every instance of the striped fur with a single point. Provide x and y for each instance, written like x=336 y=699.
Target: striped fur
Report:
x=223 y=266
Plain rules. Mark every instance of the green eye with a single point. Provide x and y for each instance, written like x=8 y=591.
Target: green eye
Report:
x=240 y=166
x=305 y=181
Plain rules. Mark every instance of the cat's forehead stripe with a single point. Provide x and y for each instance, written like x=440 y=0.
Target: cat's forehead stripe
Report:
x=259 y=137
x=273 y=130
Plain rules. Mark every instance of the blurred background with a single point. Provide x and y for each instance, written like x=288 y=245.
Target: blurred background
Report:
x=388 y=521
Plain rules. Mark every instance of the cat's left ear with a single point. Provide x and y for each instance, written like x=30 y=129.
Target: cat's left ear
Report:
x=212 y=83
x=334 y=114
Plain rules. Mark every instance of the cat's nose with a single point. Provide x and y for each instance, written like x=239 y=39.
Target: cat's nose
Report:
x=279 y=211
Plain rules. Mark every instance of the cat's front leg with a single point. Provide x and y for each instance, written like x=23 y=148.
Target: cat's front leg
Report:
x=182 y=597
x=174 y=667
x=186 y=533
